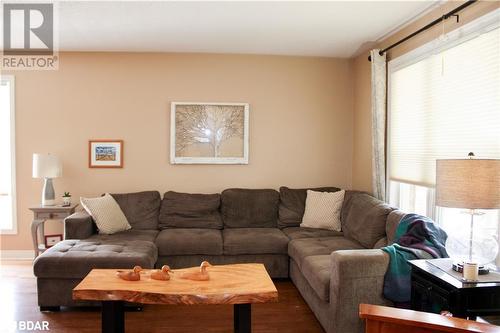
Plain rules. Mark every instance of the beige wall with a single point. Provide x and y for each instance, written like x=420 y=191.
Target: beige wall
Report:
x=362 y=87
x=300 y=123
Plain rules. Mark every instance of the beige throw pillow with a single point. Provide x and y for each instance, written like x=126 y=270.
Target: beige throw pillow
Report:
x=106 y=213
x=323 y=210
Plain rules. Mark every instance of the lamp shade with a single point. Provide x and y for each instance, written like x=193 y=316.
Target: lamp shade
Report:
x=46 y=166
x=468 y=183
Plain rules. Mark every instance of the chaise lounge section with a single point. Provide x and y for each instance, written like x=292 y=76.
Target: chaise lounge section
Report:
x=334 y=271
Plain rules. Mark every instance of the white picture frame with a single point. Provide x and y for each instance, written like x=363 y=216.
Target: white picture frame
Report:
x=179 y=155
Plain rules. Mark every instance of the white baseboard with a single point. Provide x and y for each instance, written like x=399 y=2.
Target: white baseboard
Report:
x=17 y=254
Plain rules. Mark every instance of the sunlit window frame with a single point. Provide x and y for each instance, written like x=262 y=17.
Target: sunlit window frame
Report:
x=11 y=80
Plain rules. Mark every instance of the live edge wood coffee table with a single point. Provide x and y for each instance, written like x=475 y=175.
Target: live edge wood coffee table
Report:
x=240 y=284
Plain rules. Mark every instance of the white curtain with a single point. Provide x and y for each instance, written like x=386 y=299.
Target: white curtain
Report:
x=379 y=107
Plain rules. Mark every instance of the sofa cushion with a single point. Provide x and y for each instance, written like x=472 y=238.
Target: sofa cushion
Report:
x=317 y=272
x=74 y=259
x=364 y=218
x=303 y=232
x=189 y=241
x=254 y=241
x=302 y=248
x=140 y=208
x=293 y=203
x=126 y=236
x=249 y=208
x=186 y=210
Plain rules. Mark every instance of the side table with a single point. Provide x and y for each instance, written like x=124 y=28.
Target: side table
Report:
x=42 y=214
x=432 y=290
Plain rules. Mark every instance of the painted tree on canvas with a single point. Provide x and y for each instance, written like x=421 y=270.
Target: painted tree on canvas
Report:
x=208 y=124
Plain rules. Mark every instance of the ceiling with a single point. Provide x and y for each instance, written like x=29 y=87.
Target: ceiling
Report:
x=332 y=29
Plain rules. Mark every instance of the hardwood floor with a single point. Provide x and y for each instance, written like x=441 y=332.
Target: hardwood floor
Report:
x=19 y=303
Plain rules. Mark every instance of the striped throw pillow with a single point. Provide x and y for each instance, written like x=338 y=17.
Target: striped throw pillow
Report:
x=106 y=213
x=323 y=210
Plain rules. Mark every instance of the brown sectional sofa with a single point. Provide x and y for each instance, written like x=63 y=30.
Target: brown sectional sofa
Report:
x=334 y=271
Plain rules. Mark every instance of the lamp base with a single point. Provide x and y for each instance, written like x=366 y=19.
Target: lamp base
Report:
x=48 y=203
x=459 y=267
x=48 y=196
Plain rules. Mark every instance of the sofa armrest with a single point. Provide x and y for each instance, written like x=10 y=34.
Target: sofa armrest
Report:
x=392 y=223
x=79 y=225
x=357 y=276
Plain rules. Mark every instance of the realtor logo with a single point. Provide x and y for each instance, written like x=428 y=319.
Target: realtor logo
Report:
x=28 y=36
x=28 y=29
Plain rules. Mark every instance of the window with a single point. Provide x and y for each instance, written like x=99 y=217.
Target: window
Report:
x=7 y=153
x=444 y=102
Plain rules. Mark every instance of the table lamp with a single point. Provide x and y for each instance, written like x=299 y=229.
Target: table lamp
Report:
x=47 y=166
x=473 y=184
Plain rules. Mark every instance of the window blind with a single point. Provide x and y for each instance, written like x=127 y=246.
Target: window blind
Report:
x=444 y=106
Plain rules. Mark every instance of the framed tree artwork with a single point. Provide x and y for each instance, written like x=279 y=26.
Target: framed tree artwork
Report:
x=105 y=153
x=209 y=133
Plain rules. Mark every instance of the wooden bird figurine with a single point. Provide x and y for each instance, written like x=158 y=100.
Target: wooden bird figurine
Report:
x=133 y=275
x=161 y=274
x=201 y=275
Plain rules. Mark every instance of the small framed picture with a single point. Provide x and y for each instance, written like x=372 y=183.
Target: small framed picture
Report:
x=51 y=240
x=105 y=153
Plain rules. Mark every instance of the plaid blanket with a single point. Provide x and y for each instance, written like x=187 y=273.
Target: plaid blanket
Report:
x=417 y=237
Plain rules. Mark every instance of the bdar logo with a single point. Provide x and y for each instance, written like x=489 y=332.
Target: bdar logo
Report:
x=28 y=29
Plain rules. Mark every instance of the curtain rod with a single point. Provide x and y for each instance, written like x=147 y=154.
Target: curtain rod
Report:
x=433 y=23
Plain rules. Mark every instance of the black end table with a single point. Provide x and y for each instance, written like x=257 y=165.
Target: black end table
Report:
x=434 y=290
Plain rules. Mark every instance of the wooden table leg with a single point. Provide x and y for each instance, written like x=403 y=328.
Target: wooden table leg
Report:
x=112 y=317
x=242 y=318
x=34 y=234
